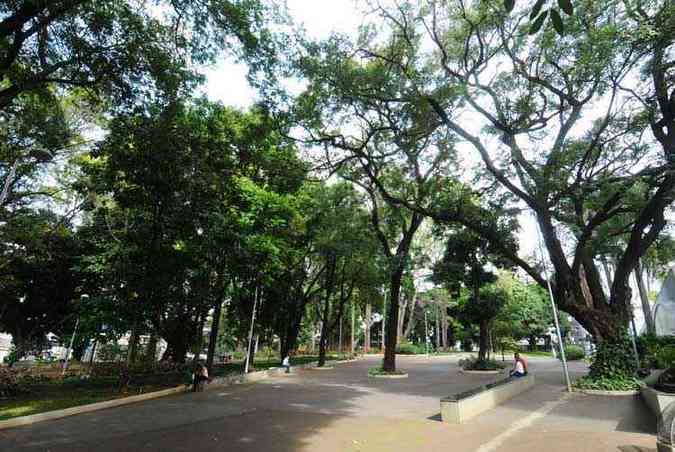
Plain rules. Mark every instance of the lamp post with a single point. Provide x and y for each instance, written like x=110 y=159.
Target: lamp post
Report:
x=72 y=340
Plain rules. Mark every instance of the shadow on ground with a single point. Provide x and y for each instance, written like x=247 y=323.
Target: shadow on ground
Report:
x=333 y=410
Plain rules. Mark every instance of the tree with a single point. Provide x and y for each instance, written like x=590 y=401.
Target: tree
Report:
x=527 y=311
x=544 y=89
x=464 y=265
x=38 y=283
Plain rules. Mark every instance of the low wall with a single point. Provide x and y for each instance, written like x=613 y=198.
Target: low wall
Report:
x=657 y=401
x=461 y=407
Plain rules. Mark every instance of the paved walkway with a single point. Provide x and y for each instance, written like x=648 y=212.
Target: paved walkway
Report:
x=343 y=410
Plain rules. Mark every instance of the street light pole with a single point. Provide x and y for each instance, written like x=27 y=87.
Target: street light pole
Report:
x=426 y=331
x=554 y=308
x=70 y=347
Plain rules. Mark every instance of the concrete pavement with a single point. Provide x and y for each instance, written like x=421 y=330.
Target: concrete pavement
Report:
x=344 y=410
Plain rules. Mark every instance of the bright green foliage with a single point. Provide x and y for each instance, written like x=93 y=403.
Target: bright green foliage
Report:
x=574 y=353
x=613 y=359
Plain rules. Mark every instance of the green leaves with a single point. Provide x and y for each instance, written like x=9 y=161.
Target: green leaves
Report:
x=566 y=6
x=509 y=4
x=536 y=9
x=536 y=25
x=557 y=21
x=537 y=17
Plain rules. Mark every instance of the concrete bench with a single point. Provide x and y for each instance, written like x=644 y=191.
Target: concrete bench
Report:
x=459 y=408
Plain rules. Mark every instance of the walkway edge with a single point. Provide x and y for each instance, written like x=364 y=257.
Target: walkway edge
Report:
x=80 y=409
x=72 y=411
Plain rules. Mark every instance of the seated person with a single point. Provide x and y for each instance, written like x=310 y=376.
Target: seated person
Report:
x=519 y=366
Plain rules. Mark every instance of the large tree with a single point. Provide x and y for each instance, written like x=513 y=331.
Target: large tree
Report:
x=558 y=125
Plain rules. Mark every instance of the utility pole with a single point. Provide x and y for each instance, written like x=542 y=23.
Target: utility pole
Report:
x=384 y=316
x=554 y=308
x=70 y=347
x=250 y=332
x=353 y=321
x=426 y=331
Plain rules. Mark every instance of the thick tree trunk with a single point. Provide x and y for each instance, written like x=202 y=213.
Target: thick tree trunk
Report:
x=438 y=328
x=411 y=315
x=366 y=341
x=389 y=363
x=644 y=299
x=213 y=334
x=132 y=350
x=483 y=340
x=325 y=321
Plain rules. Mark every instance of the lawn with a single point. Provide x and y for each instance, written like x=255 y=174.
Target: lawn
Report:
x=60 y=394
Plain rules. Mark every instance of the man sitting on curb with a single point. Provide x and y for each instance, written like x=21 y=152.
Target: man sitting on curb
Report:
x=519 y=366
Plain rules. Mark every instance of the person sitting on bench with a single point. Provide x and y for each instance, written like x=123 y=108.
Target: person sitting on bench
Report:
x=519 y=366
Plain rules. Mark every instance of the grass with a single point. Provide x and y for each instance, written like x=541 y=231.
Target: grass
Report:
x=57 y=396
x=60 y=394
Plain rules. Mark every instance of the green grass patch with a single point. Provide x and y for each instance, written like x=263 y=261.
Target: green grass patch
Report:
x=57 y=396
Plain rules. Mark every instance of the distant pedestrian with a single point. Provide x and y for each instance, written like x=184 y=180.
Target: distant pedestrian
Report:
x=519 y=366
x=287 y=363
x=201 y=376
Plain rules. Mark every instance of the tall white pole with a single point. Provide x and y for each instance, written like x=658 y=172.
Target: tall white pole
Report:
x=426 y=331
x=353 y=321
x=70 y=347
x=563 y=358
x=250 y=332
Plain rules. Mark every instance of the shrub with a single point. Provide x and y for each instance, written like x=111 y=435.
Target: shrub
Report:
x=476 y=364
x=12 y=357
x=665 y=357
x=619 y=383
x=407 y=348
x=10 y=383
x=649 y=348
x=380 y=371
x=573 y=353
x=613 y=360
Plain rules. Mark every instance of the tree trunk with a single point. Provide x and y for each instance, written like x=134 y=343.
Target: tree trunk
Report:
x=401 y=318
x=411 y=315
x=366 y=341
x=151 y=349
x=389 y=363
x=483 y=340
x=213 y=334
x=644 y=298
x=133 y=345
x=330 y=283
x=438 y=328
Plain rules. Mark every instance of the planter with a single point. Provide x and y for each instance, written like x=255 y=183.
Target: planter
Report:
x=657 y=401
x=322 y=368
x=459 y=408
x=389 y=376
x=608 y=393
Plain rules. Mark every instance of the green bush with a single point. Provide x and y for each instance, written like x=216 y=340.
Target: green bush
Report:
x=650 y=347
x=10 y=383
x=613 y=360
x=665 y=357
x=407 y=348
x=12 y=357
x=573 y=353
x=476 y=364
x=608 y=384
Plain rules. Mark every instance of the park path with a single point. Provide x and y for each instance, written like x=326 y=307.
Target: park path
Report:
x=342 y=410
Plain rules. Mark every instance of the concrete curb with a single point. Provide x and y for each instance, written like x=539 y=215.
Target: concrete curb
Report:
x=58 y=414
x=599 y=392
x=216 y=382
x=481 y=372
x=390 y=377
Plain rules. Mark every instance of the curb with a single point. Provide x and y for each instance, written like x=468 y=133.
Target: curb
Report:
x=390 y=377
x=599 y=392
x=481 y=372
x=219 y=382
x=66 y=412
